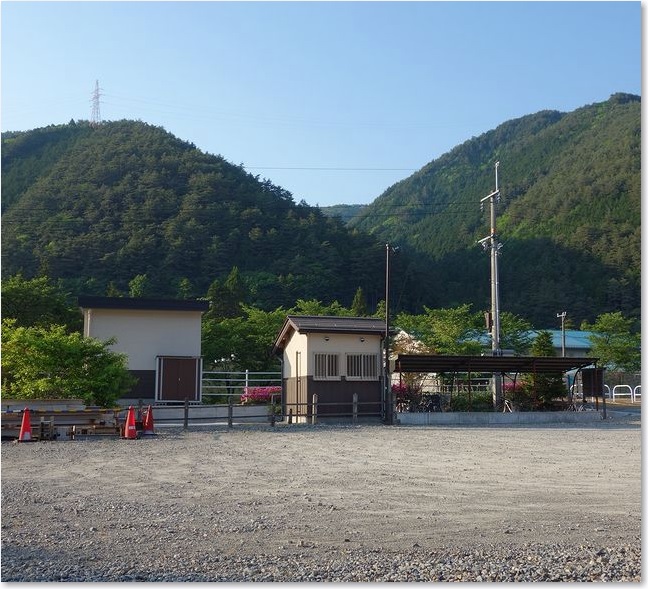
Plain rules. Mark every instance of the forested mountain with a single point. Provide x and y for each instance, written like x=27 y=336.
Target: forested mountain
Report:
x=569 y=219
x=345 y=212
x=101 y=206
x=127 y=206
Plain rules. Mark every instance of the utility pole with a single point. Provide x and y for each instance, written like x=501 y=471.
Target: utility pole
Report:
x=387 y=400
x=95 y=119
x=492 y=243
x=562 y=316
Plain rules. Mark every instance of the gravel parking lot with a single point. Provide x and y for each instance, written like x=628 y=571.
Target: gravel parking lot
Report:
x=343 y=503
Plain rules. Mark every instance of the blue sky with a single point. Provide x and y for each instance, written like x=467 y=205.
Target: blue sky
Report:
x=333 y=101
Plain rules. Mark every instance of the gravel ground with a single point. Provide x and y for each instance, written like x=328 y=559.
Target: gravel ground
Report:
x=328 y=503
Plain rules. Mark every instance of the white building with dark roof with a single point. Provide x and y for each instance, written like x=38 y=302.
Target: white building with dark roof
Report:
x=161 y=339
x=333 y=358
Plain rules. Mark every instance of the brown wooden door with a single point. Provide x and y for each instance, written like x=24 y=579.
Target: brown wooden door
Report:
x=178 y=379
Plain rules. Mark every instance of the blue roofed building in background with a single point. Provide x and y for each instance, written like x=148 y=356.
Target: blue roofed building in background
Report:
x=577 y=343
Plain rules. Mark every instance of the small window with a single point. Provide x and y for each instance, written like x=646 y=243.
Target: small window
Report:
x=362 y=366
x=326 y=367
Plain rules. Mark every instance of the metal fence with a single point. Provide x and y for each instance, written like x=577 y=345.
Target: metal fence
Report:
x=623 y=390
x=317 y=411
x=234 y=383
x=232 y=413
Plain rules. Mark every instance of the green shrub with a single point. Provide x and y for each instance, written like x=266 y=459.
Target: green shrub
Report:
x=477 y=402
x=49 y=363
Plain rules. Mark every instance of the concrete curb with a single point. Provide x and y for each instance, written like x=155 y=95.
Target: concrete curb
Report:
x=490 y=418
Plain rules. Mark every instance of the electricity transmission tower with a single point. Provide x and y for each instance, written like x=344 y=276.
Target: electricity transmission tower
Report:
x=95 y=119
x=493 y=318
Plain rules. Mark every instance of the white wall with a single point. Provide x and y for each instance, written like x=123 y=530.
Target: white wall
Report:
x=297 y=343
x=315 y=343
x=143 y=335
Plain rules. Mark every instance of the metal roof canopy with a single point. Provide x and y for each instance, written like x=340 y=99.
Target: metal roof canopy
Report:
x=510 y=364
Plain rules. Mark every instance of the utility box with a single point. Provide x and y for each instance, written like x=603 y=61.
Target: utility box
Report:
x=592 y=379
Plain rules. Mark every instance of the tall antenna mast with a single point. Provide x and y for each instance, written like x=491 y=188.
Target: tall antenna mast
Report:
x=492 y=243
x=95 y=119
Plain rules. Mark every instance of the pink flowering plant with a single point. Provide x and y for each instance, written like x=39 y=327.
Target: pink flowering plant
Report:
x=259 y=395
x=402 y=392
x=406 y=397
x=516 y=393
x=512 y=386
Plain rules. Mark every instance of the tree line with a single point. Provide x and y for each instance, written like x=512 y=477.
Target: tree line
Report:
x=45 y=355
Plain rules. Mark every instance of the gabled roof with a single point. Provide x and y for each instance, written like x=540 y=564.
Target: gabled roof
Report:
x=326 y=324
x=142 y=304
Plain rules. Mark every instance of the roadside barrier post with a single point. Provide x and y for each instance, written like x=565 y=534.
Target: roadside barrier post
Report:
x=393 y=410
x=230 y=412
x=314 y=412
x=186 y=414
x=355 y=408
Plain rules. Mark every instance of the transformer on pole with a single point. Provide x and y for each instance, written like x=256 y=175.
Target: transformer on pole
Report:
x=491 y=243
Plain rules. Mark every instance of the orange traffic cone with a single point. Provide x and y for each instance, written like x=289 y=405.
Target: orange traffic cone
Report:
x=25 y=428
x=130 y=430
x=147 y=425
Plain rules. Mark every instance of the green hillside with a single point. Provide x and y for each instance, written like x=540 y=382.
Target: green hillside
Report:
x=344 y=212
x=570 y=216
x=128 y=203
x=97 y=207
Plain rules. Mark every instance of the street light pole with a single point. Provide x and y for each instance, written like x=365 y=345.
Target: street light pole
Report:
x=562 y=316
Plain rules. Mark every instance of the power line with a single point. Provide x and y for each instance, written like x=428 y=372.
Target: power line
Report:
x=332 y=168
x=421 y=210
x=207 y=111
